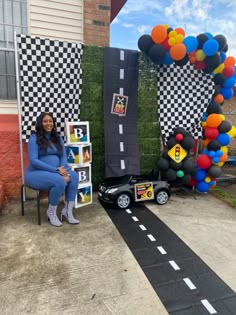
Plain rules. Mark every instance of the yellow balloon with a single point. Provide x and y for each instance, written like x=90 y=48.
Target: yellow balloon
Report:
x=219 y=69
x=172 y=33
x=166 y=26
x=222 y=116
x=171 y=41
x=220 y=164
x=224 y=149
x=179 y=38
x=232 y=132
x=207 y=179
x=200 y=56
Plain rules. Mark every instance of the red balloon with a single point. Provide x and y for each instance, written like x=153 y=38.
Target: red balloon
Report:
x=228 y=71
x=179 y=137
x=211 y=133
x=204 y=161
x=192 y=182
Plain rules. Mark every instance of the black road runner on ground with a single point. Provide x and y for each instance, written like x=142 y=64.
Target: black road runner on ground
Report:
x=183 y=282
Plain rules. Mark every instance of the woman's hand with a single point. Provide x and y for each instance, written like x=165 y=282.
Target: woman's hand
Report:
x=62 y=171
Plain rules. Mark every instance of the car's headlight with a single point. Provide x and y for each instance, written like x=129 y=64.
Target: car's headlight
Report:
x=111 y=190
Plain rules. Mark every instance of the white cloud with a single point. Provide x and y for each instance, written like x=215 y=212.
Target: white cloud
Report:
x=143 y=29
x=127 y=25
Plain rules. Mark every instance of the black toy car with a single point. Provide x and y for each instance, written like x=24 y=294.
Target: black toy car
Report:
x=121 y=191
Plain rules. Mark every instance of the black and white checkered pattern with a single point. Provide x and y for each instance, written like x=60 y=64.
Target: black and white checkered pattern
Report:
x=50 y=80
x=183 y=96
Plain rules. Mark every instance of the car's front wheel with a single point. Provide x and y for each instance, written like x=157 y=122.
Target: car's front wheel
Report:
x=123 y=201
x=162 y=197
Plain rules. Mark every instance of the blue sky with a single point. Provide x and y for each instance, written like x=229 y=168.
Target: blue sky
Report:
x=138 y=17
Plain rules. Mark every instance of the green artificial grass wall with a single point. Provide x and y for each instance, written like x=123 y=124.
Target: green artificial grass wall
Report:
x=91 y=110
x=148 y=120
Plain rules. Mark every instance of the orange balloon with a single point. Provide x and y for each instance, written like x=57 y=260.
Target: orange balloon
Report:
x=178 y=51
x=229 y=61
x=158 y=34
x=205 y=142
x=213 y=120
x=219 y=98
x=192 y=58
x=224 y=157
x=181 y=31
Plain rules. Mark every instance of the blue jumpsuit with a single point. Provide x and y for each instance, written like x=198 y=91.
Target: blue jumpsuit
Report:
x=42 y=173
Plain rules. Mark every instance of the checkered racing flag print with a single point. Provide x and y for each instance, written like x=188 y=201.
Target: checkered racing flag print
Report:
x=183 y=96
x=50 y=81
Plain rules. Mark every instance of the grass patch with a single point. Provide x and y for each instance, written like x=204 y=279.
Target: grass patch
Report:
x=224 y=196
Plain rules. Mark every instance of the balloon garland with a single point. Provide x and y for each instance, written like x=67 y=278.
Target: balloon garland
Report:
x=207 y=53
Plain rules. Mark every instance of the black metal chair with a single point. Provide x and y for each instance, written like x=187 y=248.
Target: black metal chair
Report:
x=23 y=200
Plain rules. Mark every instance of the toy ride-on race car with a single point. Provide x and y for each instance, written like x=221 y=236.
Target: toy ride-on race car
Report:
x=121 y=191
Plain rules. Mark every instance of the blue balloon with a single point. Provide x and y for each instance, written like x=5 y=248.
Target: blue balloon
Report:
x=227 y=93
x=223 y=139
x=210 y=47
x=211 y=154
x=219 y=153
x=200 y=175
x=209 y=35
x=167 y=59
x=202 y=187
x=190 y=43
x=229 y=82
x=222 y=56
x=216 y=159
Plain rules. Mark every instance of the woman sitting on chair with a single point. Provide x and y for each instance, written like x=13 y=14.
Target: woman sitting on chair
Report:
x=48 y=169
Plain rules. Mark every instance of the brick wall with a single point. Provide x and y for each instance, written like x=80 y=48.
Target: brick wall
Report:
x=97 y=22
x=10 y=162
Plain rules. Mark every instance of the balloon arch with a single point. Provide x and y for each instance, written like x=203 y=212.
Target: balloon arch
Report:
x=206 y=53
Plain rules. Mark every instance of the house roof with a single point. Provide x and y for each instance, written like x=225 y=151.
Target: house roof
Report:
x=116 y=6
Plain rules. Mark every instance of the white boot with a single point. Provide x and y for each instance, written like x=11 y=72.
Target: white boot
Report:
x=67 y=212
x=52 y=216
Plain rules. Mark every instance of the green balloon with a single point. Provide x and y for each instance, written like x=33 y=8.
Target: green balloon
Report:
x=180 y=173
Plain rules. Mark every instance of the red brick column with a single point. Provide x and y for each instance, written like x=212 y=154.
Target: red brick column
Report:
x=10 y=162
x=97 y=22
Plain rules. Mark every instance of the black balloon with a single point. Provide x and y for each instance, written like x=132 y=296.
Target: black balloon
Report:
x=188 y=166
x=165 y=155
x=163 y=164
x=183 y=61
x=225 y=126
x=170 y=175
x=145 y=42
x=213 y=145
x=156 y=53
x=171 y=142
x=214 y=171
x=187 y=143
x=179 y=130
x=212 y=62
x=225 y=49
x=213 y=107
x=174 y=165
x=219 y=79
x=186 y=179
x=202 y=38
x=217 y=90
x=221 y=41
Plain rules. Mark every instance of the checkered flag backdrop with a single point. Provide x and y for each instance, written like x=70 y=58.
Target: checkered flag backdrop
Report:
x=50 y=80
x=183 y=96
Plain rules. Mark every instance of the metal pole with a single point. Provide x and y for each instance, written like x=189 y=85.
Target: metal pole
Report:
x=19 y=108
